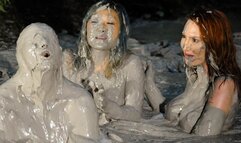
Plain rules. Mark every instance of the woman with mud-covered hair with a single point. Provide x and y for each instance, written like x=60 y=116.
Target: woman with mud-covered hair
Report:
x=117 y=53
x=104 y=63
x=210 y=100
x=38 y=104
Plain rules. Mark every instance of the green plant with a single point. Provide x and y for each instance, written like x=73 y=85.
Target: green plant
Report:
x=3 y=4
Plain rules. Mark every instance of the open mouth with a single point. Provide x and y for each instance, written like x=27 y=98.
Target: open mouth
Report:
x=45 y=54
x=189 y=56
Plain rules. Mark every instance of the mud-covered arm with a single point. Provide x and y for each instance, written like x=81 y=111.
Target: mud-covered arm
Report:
x=134 y=89
x=83 y=117
x=151 y=90
x=186 y=109
x=134 y=93
x=212 y=121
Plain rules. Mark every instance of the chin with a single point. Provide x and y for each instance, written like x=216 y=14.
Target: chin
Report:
x=45 y=66
x=191 y=65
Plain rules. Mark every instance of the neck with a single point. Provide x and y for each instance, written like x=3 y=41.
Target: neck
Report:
x=205 y=68
x=100 y=59
x=42 y=84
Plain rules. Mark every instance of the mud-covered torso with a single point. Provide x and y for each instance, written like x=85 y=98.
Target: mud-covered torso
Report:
x=190 y=109
x=24 y=119
x=115 y=86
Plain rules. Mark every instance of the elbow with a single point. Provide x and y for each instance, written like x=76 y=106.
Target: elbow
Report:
x=208 y=129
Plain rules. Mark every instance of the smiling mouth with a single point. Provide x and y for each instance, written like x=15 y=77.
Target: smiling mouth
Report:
x=101 y=37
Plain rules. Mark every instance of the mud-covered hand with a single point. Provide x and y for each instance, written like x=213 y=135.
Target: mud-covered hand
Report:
x=112 y=109
x=193 y=96
x=195 y=93
x=97 y=92
x=197 y=89
x=103 y=103
x=202 y=78
x=194 y=101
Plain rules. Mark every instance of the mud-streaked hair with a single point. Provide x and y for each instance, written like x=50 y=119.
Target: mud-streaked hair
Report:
x=29 y=32
x=117 y=53
x=216 y=32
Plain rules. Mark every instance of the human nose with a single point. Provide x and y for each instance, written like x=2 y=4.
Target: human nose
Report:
x=103 y=27
x=186 y=44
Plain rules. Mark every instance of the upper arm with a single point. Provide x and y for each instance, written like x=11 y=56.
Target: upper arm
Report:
x=211 y=122
x=83 y=116
x=223 y=94
x=219 y=105
x=134 y=92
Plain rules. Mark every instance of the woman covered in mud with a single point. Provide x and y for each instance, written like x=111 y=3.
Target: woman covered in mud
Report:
x=116 y=76
x=210 y=100
x=38 y=104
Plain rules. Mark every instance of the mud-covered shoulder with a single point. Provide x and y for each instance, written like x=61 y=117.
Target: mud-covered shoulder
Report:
x=133 y=63
x=8 y=88
x=72 y=90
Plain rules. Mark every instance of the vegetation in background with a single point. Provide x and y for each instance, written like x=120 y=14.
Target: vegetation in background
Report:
x=3 y=4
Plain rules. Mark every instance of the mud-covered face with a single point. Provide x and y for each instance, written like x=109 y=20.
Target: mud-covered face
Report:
x=192 y=45
x=103 y=29
x=40 y=52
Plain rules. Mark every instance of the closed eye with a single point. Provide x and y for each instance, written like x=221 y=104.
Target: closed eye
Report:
x=94 y=21
x=111 y=23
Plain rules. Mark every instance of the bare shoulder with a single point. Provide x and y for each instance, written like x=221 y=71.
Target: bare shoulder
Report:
x=223 y=94
x=133 y=58
x=225 y=85
x=133 y=61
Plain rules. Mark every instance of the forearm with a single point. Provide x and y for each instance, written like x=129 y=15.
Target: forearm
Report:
x=83 y=117
x=124 y=112
x=211 y=122
x=152 y=92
